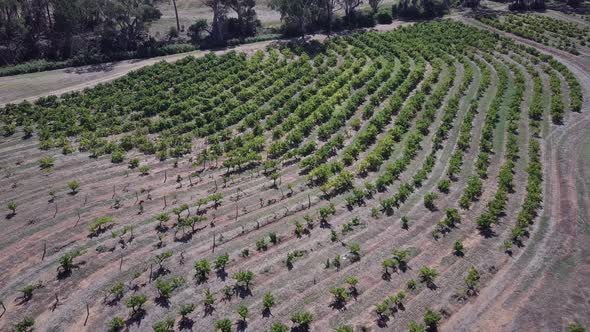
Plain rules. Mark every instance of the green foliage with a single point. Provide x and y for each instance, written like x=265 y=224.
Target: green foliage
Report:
x=431 y=319
x=116 y=324
x=223 y=325
x=166 y=287
x=136 y=302
x=302 y=319
x=100 y=225
x=74 y=185
x=26 y=324
x=46 y=163
x=279 y=327
x=166 y=325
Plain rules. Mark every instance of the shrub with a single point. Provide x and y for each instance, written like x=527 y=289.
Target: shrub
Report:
x=384 y=17
x=74 y=185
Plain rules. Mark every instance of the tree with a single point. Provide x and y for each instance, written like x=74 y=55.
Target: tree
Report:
x=12 y=207
x=298 y=12
x=330 y=7
x=202 y=269
x=24 y=325
x=355 y=251
x=268 y=301
x=166 y=287
x=209 y=300
x=405 y=222
x=401 y=257
x=166 y=325
x=186 y=309
x=223 y=325
x=29 y=290
x=136 y=302
x=415 y=327
x=221 y=262
x=375 y=5
x=46 y=163
x=117 y=291
x=161 y=258
x=427 y=275
x=196 y=30
x=458 y=248
x=382 y=309
x=66 y=262
x=431 y=319
x=302 y=320
x=246 y=16
x=74 y=185
x=100 y=224
x=472 y=280
x=349 y=9
x=116 y=324
x=176 y=14
x=429 y=199
x=279 y=327
x=219 y=8
x=162 y=218
x=340 y=296
x=243 y=279
x=243 y=312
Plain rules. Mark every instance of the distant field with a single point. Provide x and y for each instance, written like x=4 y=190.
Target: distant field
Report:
x=191 y=10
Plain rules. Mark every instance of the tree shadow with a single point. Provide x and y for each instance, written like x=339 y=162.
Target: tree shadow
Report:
x=135 y=318
x=266 y=313
x=338 y=305
x=382 y=321
x=221 y=274
x=243 y=292
x=208 y=310
x=10 y=215
x=163 y=302
x=242 y=325
x=186 y=324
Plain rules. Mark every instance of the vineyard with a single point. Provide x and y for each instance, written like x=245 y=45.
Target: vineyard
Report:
x=567 y=36
x=373 y=180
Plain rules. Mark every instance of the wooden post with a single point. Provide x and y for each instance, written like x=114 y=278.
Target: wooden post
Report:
x=236 y=212
x=190 y=180
x=85 y=199
x=44 y=250
x=213 y=242
x=308 y=201
x=165 y=204
x=56 y=302
x=136 y=197
x=55 y=214
x=121 y=263
x=113 y=192
x=151 y=266
x=87 y=314
x=77 y=221
x=165 y=176
x=215 y=186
